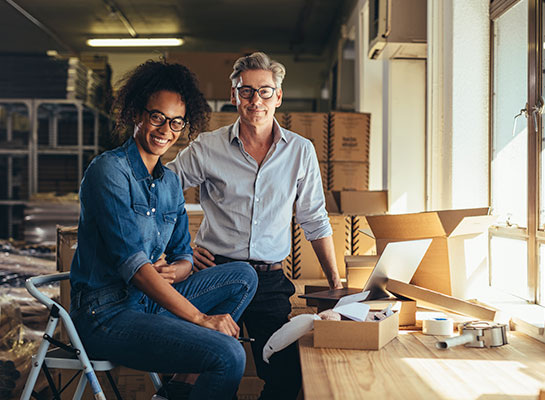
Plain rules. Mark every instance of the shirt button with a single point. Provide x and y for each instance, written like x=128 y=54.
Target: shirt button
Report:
x=147 y=213
x=153 y=185
x=153 y=210
x=158 y=233
x=257 y=199
x=255 y=222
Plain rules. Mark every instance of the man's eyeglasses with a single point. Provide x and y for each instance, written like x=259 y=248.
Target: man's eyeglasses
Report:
x=247 y=92
x=157 y=118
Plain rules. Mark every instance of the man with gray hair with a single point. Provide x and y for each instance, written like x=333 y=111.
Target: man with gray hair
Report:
x=251 y=174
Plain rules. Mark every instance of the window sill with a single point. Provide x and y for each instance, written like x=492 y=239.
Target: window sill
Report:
x=521 y=315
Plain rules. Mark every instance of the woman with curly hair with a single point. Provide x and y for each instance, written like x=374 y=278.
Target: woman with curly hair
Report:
x=134 y=299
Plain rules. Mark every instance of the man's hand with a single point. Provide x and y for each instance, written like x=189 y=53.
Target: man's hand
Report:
x=167 y=271
x=222 y=323
x=202 y=258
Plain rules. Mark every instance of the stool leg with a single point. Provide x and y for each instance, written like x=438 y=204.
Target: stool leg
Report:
x=38 y=359
x=80 y=388
x=113 y=385
x=157 y=384
x=56 y=394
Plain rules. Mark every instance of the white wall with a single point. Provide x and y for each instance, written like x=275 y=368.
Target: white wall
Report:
x=458 y=103
x=405 y=122
x=368 y=92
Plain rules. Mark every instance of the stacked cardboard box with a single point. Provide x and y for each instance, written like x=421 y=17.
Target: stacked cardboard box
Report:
x=348 y=151
x=302 y=262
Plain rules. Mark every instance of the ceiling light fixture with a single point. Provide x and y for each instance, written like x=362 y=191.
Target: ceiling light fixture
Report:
x=135 y=42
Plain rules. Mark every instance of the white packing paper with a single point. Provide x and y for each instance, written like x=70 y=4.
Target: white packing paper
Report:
x=288 y=333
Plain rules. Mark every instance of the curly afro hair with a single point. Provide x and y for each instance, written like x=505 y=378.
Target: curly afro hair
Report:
x=151 y=77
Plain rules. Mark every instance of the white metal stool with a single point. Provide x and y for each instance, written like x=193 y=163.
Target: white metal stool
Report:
x=66 y=356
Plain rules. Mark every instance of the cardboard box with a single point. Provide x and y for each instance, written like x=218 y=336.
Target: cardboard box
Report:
x=324 y=172
x=313 y=126
x=195 y=216
x=67 y=240
x=438 y=301
x=358 y=270
x=303 y=261
x=173 y=151
x=132 y=384
x=456 y=262
x=192 y=195
x=219 y=119
x=356 y=335
x=349 y=136
x=212 y=70
x=249 y=388
x=345 y=175
x=365 y=202
x=362 y=244
x=406 y=309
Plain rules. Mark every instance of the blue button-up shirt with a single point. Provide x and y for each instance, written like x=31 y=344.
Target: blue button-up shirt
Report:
x=128 y=218
x=248 y=208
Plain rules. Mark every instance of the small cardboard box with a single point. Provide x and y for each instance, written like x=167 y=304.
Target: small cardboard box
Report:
x=356 y=335
x=456 y=262
x=313 y=126
x=344 y=175
x=406 y=308
x=349 y=136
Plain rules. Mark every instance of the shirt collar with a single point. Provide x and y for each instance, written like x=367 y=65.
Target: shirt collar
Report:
x=278 y=131
x=136 y=164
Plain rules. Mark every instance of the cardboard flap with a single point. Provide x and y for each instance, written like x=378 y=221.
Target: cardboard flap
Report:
x=472 y=225
x=332 y=202
x=357 y=202
x=451 y=218
x=364 y=202
x=406 y=226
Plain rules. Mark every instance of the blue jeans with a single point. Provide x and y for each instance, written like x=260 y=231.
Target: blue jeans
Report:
x=123 y=325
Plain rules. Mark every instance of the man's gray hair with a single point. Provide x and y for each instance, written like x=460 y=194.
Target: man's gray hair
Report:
x=256 y=61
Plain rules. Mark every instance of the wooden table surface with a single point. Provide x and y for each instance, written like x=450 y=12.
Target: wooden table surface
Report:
x=410 y=367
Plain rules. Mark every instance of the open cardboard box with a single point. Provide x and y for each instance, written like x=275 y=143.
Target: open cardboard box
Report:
x=357 y=202
x=456 y=262
x=356 y=335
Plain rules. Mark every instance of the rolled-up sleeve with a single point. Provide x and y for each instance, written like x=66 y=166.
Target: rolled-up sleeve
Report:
x=106 y=199
x=310 y=211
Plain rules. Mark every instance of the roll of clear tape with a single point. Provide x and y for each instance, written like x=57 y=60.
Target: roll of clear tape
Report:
x=437 y=326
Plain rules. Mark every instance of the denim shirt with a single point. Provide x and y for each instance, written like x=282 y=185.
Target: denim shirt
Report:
x=128 y=218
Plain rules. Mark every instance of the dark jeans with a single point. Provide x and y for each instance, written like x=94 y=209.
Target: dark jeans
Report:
x=265 y=314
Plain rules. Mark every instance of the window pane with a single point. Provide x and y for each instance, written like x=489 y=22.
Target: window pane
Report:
x=509 y=148
x=509 y=264
x=541 y=297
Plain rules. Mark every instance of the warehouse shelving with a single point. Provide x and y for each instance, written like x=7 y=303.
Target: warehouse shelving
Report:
x=59 y=138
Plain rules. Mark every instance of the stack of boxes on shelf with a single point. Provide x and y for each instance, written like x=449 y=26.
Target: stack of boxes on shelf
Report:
x=43 y=77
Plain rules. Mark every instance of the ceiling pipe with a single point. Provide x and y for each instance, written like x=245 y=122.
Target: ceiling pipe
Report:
x=41 y=26
x=114 y=9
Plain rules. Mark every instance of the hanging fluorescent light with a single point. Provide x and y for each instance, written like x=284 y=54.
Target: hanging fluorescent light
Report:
x=135 y=42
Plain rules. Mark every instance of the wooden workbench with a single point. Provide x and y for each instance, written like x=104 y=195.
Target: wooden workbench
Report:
x=410 y=367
